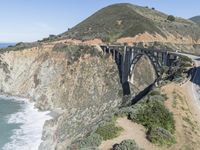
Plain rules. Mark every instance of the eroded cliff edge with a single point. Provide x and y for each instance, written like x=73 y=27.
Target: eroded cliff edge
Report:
x=77 y=80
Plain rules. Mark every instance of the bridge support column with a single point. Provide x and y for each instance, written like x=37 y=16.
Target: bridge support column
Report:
x=114 y=54
x=104 y=51
x=164 y=58
x=125 y=70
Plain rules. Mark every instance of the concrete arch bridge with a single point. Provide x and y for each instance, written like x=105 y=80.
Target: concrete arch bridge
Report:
x=126 y=58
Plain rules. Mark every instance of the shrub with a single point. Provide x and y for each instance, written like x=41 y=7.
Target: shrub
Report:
x=91 y=141
x=154 y=114
x=171 y=18
x=94 y=140
x=108 y=131
x=160 y=136
x=107 y=39
x=185 y=61
x=154 y=92
x=126 y=145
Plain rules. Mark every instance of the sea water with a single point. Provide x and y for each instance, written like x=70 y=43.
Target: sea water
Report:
x=20 y=124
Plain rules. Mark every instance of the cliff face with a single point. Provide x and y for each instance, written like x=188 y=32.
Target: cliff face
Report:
x=85 y=87
x=76 y=82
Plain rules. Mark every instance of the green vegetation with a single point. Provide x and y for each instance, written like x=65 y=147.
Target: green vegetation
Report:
x=126 y=145
x=51 y=38
x=91 y=141
x=122 y=20
x=108 y=131
x=152 y=113
x=74 y=52
x=184 y=63
x=160 y=136
x=20 y=46
x=171 y=18
x=111 y=23
x=105 y=131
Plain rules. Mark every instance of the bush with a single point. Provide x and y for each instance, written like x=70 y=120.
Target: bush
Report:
x=94 y=140
x=185 y=61
x=91 y=141
x=160 y=136
x=154 y=114
x=108 y=131
x=171 y=18
x=155 y=92
x=126 y=145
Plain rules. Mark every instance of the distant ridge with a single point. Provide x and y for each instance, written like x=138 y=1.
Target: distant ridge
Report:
x=196 y=19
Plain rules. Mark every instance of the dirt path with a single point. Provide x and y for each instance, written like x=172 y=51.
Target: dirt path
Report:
x=131 y=131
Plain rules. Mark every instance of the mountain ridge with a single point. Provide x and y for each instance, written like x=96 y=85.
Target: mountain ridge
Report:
x=128 y=20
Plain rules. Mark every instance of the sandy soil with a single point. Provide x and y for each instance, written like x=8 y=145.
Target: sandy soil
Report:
x=146 y=37
x=131 y=131
x=186 y=115
x=76 y=42
x=187 y=121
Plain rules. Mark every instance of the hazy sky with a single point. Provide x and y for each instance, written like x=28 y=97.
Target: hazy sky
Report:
x=30 y=20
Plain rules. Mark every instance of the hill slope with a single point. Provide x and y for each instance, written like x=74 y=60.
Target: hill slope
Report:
x=118 y=20
x=127 y=20
x=196 y=19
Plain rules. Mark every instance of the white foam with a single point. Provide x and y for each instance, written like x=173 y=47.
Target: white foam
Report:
x=28 y=137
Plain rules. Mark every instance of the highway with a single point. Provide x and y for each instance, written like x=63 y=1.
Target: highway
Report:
x=194 y=85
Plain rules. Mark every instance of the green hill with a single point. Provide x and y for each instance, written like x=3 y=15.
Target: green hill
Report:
x=196 y=19
x=123 y=20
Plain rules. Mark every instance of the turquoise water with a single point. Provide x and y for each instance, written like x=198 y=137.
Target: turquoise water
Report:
x=21 y=124
x=7 y=107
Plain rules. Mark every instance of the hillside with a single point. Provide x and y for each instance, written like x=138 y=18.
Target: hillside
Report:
x=196 y=19
x=127 y=20
x=80 y=86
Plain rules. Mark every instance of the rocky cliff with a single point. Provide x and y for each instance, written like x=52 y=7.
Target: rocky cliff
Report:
x=84 y=87
x=76 y=82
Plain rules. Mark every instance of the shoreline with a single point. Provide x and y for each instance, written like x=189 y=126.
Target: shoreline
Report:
x=31 y=120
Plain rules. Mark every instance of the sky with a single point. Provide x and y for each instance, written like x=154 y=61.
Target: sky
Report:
x=32 y=20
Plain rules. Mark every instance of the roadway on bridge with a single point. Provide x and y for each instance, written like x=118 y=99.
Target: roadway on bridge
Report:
x=194 y=85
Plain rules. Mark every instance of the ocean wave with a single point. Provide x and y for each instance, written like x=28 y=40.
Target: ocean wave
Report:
x=28 y=136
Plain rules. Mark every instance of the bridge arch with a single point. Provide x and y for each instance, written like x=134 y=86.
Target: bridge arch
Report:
x=153 y=60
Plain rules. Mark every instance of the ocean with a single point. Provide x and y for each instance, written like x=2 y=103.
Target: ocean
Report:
x=20 y=124
x=4 y=45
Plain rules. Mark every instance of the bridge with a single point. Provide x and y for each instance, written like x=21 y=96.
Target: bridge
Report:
x=126 y=58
